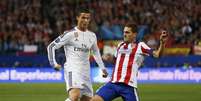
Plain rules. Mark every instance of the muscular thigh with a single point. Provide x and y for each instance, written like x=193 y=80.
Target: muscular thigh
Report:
x=107 y=92
x=129 y=94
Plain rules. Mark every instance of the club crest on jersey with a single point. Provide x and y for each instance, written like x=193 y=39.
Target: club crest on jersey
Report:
x=76 y=36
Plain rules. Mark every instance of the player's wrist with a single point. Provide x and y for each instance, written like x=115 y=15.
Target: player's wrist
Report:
x=57 y=67
x=161 y=41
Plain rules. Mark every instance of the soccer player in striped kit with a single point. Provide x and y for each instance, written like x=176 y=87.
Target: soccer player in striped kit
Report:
x=77 y=44
x=129 y=57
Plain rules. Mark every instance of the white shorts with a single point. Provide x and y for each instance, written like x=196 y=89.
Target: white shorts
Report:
x=77 y=80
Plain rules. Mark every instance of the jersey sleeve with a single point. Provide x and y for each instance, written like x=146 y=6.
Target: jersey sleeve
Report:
x=96 y=53
x=57 y=43
x=145 y=49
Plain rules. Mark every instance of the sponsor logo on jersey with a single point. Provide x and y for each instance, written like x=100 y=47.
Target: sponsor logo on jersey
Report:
x=82 y=49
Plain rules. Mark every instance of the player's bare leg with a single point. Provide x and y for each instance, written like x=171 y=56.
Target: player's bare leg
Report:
x=74 y=94
x=97 y=98
x=85 y=98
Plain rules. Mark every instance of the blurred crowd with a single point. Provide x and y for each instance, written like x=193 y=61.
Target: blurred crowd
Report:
x=37 y=22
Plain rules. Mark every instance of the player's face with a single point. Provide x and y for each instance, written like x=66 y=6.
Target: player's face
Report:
x=129 y=36
x=83 y=20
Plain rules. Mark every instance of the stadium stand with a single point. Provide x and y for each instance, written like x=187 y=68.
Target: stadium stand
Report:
x=28 y=26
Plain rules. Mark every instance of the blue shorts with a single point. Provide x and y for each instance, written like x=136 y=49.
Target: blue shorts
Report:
x=111 y=91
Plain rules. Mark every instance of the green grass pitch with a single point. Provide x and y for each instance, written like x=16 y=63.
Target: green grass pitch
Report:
x=56 y=92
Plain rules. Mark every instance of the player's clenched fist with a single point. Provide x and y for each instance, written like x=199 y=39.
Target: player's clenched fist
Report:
x=57 y=67
x=105 y=74
x=163 y=36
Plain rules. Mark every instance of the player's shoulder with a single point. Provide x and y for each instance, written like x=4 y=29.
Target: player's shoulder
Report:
x=120 y=43
x=68 y=32
x=143 y=45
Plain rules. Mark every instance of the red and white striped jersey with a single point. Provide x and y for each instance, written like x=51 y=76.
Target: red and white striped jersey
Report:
x=129 y=58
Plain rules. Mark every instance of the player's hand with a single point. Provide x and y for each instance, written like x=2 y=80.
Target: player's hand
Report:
x=105 y=74
x=57 y=67
x=163 y=36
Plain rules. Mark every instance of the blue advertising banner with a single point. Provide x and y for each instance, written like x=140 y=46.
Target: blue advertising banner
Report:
x=170 y=75
x=30 y=75
x=145 y=75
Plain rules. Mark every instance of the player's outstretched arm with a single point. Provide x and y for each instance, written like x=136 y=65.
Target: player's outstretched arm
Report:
x=163 y=38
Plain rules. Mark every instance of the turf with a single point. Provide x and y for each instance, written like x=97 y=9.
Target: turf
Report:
x=56 y=92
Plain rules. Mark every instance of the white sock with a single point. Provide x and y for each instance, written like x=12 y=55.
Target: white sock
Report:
x=68 y=99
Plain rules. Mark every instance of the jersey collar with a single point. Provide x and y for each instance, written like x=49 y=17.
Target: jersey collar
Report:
x=80 y=30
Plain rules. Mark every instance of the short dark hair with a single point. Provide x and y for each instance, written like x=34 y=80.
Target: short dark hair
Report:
x=133 y=26
x=82 y=10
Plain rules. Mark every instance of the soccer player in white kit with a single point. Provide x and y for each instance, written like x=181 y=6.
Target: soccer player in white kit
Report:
x=129 y=57
x=77 y=44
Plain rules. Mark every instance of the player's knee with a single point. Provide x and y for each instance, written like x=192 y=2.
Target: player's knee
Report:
x=74 y=94
x=97 y=98
x=74 y=97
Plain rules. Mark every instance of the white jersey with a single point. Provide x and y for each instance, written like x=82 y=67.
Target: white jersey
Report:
x=129 y=58
x=77 y=45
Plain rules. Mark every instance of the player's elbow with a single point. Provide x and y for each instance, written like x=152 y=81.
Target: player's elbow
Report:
x=48 y=47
